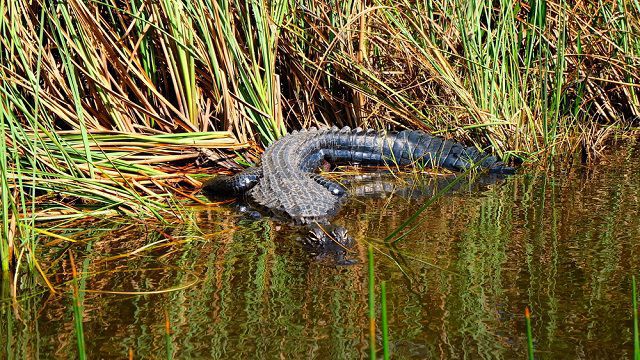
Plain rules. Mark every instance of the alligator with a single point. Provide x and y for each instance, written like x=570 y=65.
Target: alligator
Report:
x=288 y=186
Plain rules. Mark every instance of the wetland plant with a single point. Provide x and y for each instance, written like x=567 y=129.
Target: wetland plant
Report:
x=103 y=104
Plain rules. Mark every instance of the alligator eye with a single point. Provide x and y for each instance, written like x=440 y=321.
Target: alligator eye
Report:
x=336 y=192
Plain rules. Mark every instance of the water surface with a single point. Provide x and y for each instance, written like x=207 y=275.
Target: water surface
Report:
x=564 y=244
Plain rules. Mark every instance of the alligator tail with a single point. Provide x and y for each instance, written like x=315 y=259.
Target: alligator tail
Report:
x=408 y=147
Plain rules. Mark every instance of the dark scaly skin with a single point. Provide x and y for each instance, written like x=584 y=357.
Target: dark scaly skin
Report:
x=332 y=243
x=286 y=184
x=233 y=186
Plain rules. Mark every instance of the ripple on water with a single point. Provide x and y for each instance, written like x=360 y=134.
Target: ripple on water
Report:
x=565 y=245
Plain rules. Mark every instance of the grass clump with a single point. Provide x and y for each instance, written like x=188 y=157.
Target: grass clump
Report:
x=103 y=102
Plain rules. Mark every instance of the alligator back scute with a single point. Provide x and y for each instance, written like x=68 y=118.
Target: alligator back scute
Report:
x=287 y=188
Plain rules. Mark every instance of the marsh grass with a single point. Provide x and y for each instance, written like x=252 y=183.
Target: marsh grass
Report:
x=527 y=319
x=103 y=103
x=372 y=305
x=76 y=305
x=167 y=336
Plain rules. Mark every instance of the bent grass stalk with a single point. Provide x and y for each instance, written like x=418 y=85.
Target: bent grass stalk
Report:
x=412 y=219
x=7 y=200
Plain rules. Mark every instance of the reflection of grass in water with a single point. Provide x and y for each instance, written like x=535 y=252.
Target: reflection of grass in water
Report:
x=258 y=272
x=552 y=310
x=539 y=195
x=260 y=295
x=324 y=311
x=491 y=232
x=557 y=234
x=77 y=311
x=405 y=333
x=605 y=260
x=19 y=328
x=7 y=326
x=372 y=311
x=482 y=255
x=595 y=233
x=385 y=325
x=636 y=334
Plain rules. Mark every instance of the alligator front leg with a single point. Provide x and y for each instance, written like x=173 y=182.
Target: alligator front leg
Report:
x=334 y=187
x=224 y=186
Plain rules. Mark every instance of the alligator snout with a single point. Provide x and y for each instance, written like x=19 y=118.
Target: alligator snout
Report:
x=329 y=242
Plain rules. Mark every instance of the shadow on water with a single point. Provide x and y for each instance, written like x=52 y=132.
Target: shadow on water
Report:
x=457 y=285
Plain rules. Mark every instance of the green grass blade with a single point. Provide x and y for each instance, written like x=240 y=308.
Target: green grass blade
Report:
x=527 y=316
x=372 y=306
x=77 y=311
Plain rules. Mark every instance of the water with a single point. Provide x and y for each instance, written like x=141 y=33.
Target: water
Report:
x=564 y=244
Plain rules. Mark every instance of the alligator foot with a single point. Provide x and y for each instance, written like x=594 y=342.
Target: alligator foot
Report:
x=329 y=242
x=249 y=212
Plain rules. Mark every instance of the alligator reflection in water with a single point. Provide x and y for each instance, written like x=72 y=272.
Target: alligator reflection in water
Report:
x=331 y=241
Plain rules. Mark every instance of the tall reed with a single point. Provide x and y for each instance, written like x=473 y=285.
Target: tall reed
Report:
x=372 y=306
x=535 y=81
x=527 y=318
x=76 y=305
x=527 y=79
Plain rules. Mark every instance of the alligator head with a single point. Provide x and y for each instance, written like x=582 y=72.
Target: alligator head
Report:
x=329 y=242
